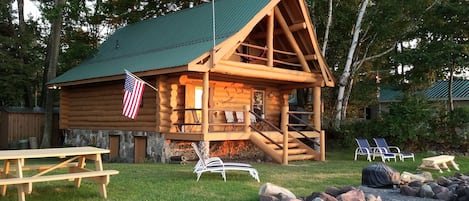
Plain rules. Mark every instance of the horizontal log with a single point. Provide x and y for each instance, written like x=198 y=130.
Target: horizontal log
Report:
x=128 y=123
x=259 y=71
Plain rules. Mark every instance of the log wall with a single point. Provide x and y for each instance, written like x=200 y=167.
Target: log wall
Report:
x=100 y=107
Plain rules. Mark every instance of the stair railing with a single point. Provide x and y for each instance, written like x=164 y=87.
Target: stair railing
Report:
x=269 y=124
x=302 y=123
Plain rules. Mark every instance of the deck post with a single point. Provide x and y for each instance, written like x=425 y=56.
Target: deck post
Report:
x=322 y=142
x=270 y=39
x=317 y=121
x=247 y=119
x=284 y=128
x=205 y=104
x=317 y=108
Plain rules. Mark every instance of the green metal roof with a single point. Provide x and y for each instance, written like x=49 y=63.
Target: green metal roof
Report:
x=438 y=91
x=167 y=41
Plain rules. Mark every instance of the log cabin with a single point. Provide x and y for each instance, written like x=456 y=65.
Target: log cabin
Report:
x=221 y=78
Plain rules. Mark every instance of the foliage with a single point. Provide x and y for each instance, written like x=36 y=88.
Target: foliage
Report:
x=437 y=28
x=20 y=54
x=441 y=39
x=85 y=25
x=408 y=121
x=414 y=123
x=456 y=127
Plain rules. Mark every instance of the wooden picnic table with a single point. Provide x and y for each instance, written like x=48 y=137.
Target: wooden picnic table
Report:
x=73 y=158
x=438 y=163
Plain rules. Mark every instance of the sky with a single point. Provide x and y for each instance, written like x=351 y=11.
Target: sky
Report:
x=30 y=9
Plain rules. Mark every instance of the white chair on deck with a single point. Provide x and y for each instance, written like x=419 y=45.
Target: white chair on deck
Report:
x=216 y=165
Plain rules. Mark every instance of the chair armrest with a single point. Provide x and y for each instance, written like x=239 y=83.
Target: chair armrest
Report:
x=214 y=161
x=396 y=148
x=380 y=150
x=358 y=149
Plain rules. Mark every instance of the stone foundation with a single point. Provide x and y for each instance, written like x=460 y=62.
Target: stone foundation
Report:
x=158 y=149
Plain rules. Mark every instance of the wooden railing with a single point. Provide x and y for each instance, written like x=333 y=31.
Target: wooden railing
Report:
x=191 y=121
x=302 y=123
x=260 y=57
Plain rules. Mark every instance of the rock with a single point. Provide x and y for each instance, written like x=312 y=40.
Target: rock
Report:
x=409 y=191
x=312 y=196
x=334 y=191
x=327 y=197
x=347 y=189
x=463 y=198
x=439 y=189
x=426 y=191
x=453 y=187
x=353 y=195
x=371 y=197
x=443 y=181
x=281 y=193
x=320 y=195
x=427 y=175
x=415 y=183
x=445 y=195
x=268 y=198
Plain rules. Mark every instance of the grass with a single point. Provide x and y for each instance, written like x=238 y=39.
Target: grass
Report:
x=156 y=181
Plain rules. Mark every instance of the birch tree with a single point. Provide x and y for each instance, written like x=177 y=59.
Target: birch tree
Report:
x=345 y=77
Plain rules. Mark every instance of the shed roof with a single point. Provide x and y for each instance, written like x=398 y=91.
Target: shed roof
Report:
x=143 y=46
x=438 y=91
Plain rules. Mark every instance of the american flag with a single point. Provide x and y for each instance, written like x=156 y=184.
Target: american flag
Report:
x=133 y=90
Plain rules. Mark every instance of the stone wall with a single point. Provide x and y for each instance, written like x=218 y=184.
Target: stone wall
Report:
x=155 y=147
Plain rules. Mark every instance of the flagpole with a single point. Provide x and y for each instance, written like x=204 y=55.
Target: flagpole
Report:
x=131 y=74
x=213 y=33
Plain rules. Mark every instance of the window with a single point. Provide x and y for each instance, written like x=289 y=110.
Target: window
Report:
x=258 y=102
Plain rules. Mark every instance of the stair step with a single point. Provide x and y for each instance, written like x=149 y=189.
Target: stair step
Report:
x=289 y=145
x=300 y=157
x=278 y=140
x=293 y=151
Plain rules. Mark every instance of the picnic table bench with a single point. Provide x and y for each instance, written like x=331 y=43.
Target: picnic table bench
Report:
x=14 y=161
x=439 y=163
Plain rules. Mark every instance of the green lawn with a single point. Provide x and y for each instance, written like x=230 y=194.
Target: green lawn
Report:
x=155 y=181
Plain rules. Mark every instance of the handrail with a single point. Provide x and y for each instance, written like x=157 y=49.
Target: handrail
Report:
x=292 y=114
x=268 y=123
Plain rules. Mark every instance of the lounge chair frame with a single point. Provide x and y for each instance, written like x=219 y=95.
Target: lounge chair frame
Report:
x=216 y=165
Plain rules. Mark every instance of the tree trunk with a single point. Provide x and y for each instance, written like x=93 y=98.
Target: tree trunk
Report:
x=450 y=87
x=21 y=16
x=347 y=98
x=328 y=26
x=53 y=51
x=344 y=78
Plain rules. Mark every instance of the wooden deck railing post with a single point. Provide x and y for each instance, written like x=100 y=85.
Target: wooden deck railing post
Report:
x=322 y=142
x=317 y=121
x=284 y=127
x=205 y=104
x=247 y=119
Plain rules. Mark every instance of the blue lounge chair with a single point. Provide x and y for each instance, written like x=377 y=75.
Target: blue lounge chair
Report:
x=383 y=146
x=365 y=149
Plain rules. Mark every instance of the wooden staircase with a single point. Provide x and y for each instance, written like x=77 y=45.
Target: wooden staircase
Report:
x=297 y=150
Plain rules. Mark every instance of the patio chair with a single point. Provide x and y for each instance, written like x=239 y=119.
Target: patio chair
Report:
x=365 y=149
x=216 y=165
x=230 y=119
x=240 y=117
x=383 y=146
